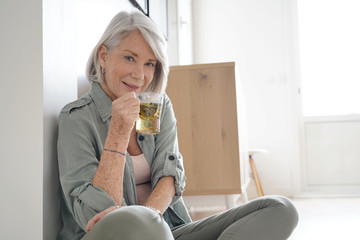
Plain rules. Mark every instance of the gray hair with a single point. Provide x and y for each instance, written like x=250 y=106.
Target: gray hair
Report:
x=120 y=27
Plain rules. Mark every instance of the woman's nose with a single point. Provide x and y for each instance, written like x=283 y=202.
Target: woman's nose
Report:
x=138 y=72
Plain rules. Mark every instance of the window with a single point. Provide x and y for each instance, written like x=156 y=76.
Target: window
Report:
x=329 y=40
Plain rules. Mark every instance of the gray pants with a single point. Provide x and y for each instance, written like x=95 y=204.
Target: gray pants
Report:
x=270 y=218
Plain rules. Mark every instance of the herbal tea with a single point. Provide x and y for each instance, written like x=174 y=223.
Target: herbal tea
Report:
x=149 y=119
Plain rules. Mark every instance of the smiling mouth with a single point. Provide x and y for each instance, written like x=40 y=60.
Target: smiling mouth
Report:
x=131 y=87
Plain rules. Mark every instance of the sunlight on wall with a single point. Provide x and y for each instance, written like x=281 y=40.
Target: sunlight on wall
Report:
x=330 y=56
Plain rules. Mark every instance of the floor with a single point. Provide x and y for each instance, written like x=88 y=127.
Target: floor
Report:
x=319 y=218
x=327 y=218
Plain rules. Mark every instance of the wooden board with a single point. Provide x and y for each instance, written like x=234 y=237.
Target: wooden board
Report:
x=204 y=101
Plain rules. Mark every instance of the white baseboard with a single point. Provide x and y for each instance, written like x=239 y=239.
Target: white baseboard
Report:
x=283 y=191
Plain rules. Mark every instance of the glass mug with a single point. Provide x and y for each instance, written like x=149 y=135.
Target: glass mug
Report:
x=150 y=110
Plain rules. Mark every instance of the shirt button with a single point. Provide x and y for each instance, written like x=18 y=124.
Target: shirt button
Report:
x=171 y=157
x=141 y=138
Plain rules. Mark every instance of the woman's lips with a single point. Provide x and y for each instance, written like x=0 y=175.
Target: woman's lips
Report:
x=131 y=87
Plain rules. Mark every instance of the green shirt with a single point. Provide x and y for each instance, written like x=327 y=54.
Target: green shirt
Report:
x=83 y=127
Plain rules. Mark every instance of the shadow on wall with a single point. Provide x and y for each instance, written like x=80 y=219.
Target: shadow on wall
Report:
x=51 y=184
x=83 y=85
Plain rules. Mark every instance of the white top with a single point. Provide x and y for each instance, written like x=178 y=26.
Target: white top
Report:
x=142 y=178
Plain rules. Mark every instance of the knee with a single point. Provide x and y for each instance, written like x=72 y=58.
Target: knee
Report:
x=285 y=209
x=132 y=223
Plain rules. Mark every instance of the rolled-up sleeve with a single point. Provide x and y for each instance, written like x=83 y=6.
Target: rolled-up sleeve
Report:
x=78 y=162
x=168 y=160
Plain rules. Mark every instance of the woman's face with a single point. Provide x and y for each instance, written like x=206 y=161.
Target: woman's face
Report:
x=129 y=67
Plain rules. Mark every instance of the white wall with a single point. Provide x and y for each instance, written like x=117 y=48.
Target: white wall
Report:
x=39 y=77
x=21 y=138
x=331 y=156
x=255 y=33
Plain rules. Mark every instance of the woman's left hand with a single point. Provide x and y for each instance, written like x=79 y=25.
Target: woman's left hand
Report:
x=99 y=216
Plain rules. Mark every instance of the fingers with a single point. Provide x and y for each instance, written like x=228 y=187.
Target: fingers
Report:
x=129 y=98
x=99 y=216
x=125 y=110
x=127 y=104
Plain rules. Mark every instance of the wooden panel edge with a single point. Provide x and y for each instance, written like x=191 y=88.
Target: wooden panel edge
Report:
x=204 y=65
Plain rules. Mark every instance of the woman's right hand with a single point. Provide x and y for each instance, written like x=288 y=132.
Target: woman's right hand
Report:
x=125 y=111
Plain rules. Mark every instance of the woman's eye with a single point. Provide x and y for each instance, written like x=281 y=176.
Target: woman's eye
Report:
x=129 y=58
x=150 y=64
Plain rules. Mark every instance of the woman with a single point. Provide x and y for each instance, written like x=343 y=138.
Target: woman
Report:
x=117 y=184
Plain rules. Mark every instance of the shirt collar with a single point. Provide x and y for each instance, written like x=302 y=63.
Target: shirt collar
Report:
x=102 y=101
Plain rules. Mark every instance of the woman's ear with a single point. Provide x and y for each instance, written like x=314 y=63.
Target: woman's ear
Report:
x=102 y=53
